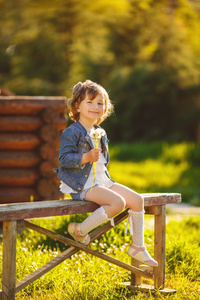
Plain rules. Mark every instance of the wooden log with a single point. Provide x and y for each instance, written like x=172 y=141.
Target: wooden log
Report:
x=49 y=133
x=30 y=105
x=56 y=196
x=46 y=168
x=20 y=123
x=49 y=151
x=61 y=123
x=17 y=141
x=46 y=187
x=19 y=159
x=50 y=115
x=18 y=177
x=18 y=194
x=27 y=123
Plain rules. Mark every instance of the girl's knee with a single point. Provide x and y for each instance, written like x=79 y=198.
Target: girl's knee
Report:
x=139 y=201
x=119 y=204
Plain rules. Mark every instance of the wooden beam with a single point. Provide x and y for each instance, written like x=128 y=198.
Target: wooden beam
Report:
x=68 y=253
x=153 y=210
x=135 y=278
x=159 y=249
x=153 y=199
x=146 y=288
x=46 y=268
x=9 y=260
x=65 y=207
x=30 y=210
x=73 y=243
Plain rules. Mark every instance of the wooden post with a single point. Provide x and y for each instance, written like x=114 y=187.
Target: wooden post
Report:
x=159 y=248
x=9 y=260
x=135 y=278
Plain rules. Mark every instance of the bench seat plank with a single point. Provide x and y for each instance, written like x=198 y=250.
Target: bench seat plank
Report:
x=29 y=210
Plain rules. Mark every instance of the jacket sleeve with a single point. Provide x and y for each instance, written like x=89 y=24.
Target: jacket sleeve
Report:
x=68 y=153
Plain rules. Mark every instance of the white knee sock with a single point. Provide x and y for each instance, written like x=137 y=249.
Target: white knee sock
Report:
x=98 y=217
x=136 y=221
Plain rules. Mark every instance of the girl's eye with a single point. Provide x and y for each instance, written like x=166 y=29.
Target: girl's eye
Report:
x=100 y=103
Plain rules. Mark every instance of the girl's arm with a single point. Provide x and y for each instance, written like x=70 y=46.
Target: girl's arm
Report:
x=91 y=156
x=69 y=157
x=68 y=153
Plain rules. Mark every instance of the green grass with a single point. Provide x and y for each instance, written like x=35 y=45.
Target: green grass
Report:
x=158 y=167
x=86 y=277
x=144 y=167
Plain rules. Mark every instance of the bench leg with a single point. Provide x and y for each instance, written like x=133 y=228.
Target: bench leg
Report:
x=135 y=279
x=9 y=260
x=159 y=248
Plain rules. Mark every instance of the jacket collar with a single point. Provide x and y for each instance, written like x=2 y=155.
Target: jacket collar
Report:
x=87 y=137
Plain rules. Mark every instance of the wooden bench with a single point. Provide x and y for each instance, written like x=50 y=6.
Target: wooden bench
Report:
x=15 y=216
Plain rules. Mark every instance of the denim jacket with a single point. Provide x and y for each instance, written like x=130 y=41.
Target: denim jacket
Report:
x=74 y=142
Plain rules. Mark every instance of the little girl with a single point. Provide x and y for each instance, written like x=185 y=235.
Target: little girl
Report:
x=83 y=170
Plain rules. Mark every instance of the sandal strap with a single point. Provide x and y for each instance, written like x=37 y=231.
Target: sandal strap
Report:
x=77 y=230
x=137 y=249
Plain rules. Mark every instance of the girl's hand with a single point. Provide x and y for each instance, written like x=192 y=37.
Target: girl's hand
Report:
x=94 y=155
x=91 y=156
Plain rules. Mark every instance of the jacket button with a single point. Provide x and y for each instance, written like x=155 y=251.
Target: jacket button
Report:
x=90 y=163
x=86 y=175
x=79 y=189
x=77 y=166
x=85 y=145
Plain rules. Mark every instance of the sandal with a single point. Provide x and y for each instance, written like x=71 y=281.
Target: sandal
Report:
x=74 y=230
x=141 y=254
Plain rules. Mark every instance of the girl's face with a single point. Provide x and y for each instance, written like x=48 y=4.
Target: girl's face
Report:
x=91 y=110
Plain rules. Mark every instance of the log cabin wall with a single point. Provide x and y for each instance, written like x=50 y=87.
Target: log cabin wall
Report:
x=30 y=129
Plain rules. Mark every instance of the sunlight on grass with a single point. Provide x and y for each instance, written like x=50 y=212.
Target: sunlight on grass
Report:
x=145 y=168
x=158 y=167
x=86 y=277
x=141 y=176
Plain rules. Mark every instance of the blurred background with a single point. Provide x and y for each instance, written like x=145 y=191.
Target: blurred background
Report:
x=146 y=53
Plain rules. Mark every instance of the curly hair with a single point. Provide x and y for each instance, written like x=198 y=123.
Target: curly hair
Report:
x=90 y=89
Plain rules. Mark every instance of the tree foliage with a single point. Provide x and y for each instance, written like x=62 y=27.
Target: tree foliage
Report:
x=146 y=53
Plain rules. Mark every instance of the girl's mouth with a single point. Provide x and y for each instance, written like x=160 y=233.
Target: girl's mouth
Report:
x=94 y=112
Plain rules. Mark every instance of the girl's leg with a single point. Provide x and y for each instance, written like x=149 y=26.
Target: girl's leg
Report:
x=111 y=200
x=110 y=204
x=135 y=202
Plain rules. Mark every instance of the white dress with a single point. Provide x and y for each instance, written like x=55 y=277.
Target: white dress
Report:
x=101 y=179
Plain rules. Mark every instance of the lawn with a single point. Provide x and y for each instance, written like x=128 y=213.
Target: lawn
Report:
x=158 y=167
x=145 y=168
x=87 y=277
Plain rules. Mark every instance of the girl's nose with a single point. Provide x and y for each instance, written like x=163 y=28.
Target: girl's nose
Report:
x=95 y=105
